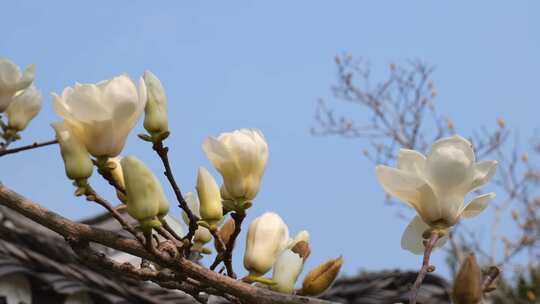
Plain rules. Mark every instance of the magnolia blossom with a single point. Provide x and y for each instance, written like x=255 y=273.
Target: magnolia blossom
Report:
x=267 y=237
x=102 y=114
x=240 y=157
x=24 y=107
x=12 y=81
x=436 y=186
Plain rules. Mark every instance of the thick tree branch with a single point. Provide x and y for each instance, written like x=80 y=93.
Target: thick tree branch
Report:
x=71 y=230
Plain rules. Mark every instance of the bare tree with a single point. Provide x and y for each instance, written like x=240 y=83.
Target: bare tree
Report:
x=399 y=111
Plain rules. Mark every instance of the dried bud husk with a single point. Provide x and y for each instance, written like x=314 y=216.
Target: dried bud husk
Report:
x=467 y=284
x=302 y=249
x=321 y=277
x=225 y=232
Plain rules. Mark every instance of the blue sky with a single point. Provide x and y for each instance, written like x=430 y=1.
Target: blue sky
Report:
x=261 y=64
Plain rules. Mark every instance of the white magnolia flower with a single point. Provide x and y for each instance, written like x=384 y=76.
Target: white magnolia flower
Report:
x=102 y=114
x=436 y=186
x=12 y=81
x=240 y=157
x=287 y=268
x=267 y=237
x=24 y=107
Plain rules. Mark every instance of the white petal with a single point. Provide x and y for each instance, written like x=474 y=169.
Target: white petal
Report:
x=409 y=188
x=412 y=239
x=9 y=74
x=286 y=270
x=483 y=172
x=411 y=161
x=477 y=205
x=449 y=164
x=27 y=77
x=84 y=104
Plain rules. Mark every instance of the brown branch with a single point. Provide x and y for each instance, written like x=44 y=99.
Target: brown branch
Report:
x=93 y=196
x=226 y=256
x=69 y=229
x=434 y=237
x=28 y=147
x=492 y=274
x=163 y=155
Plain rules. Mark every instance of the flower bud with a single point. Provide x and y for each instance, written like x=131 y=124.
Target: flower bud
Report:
x=155 y=111
x=321 y=277
x=77 y=162
x=267 y=236
x=211 y=209
x=202 y=234
x=143 y=192
x=116 y=171
x=286 y=270
x=468 y=285
x=225 y=232
x=24 y=107
x=240 y=157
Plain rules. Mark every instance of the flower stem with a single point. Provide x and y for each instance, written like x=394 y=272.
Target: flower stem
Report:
x=429 y=244
x=4 y=151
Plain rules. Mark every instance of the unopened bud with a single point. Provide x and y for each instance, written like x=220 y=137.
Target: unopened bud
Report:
x=321 y=277
x=467 y=284
x=145 y=197
x=286 y=270
x=155 y=112
x=211 y=209
x=78 y=164
x=501 y=122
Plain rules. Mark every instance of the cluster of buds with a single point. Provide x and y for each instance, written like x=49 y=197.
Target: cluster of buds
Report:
x=20 y=101
x=268 y=246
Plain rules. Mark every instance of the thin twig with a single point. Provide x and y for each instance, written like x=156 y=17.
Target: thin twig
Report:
x=35 y=145
x=226 y=256
x=492 y=274
x=429 y=244
x=92 y=195
x=163 y=154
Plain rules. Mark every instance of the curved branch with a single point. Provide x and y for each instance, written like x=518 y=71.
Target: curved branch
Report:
x=69 y=229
